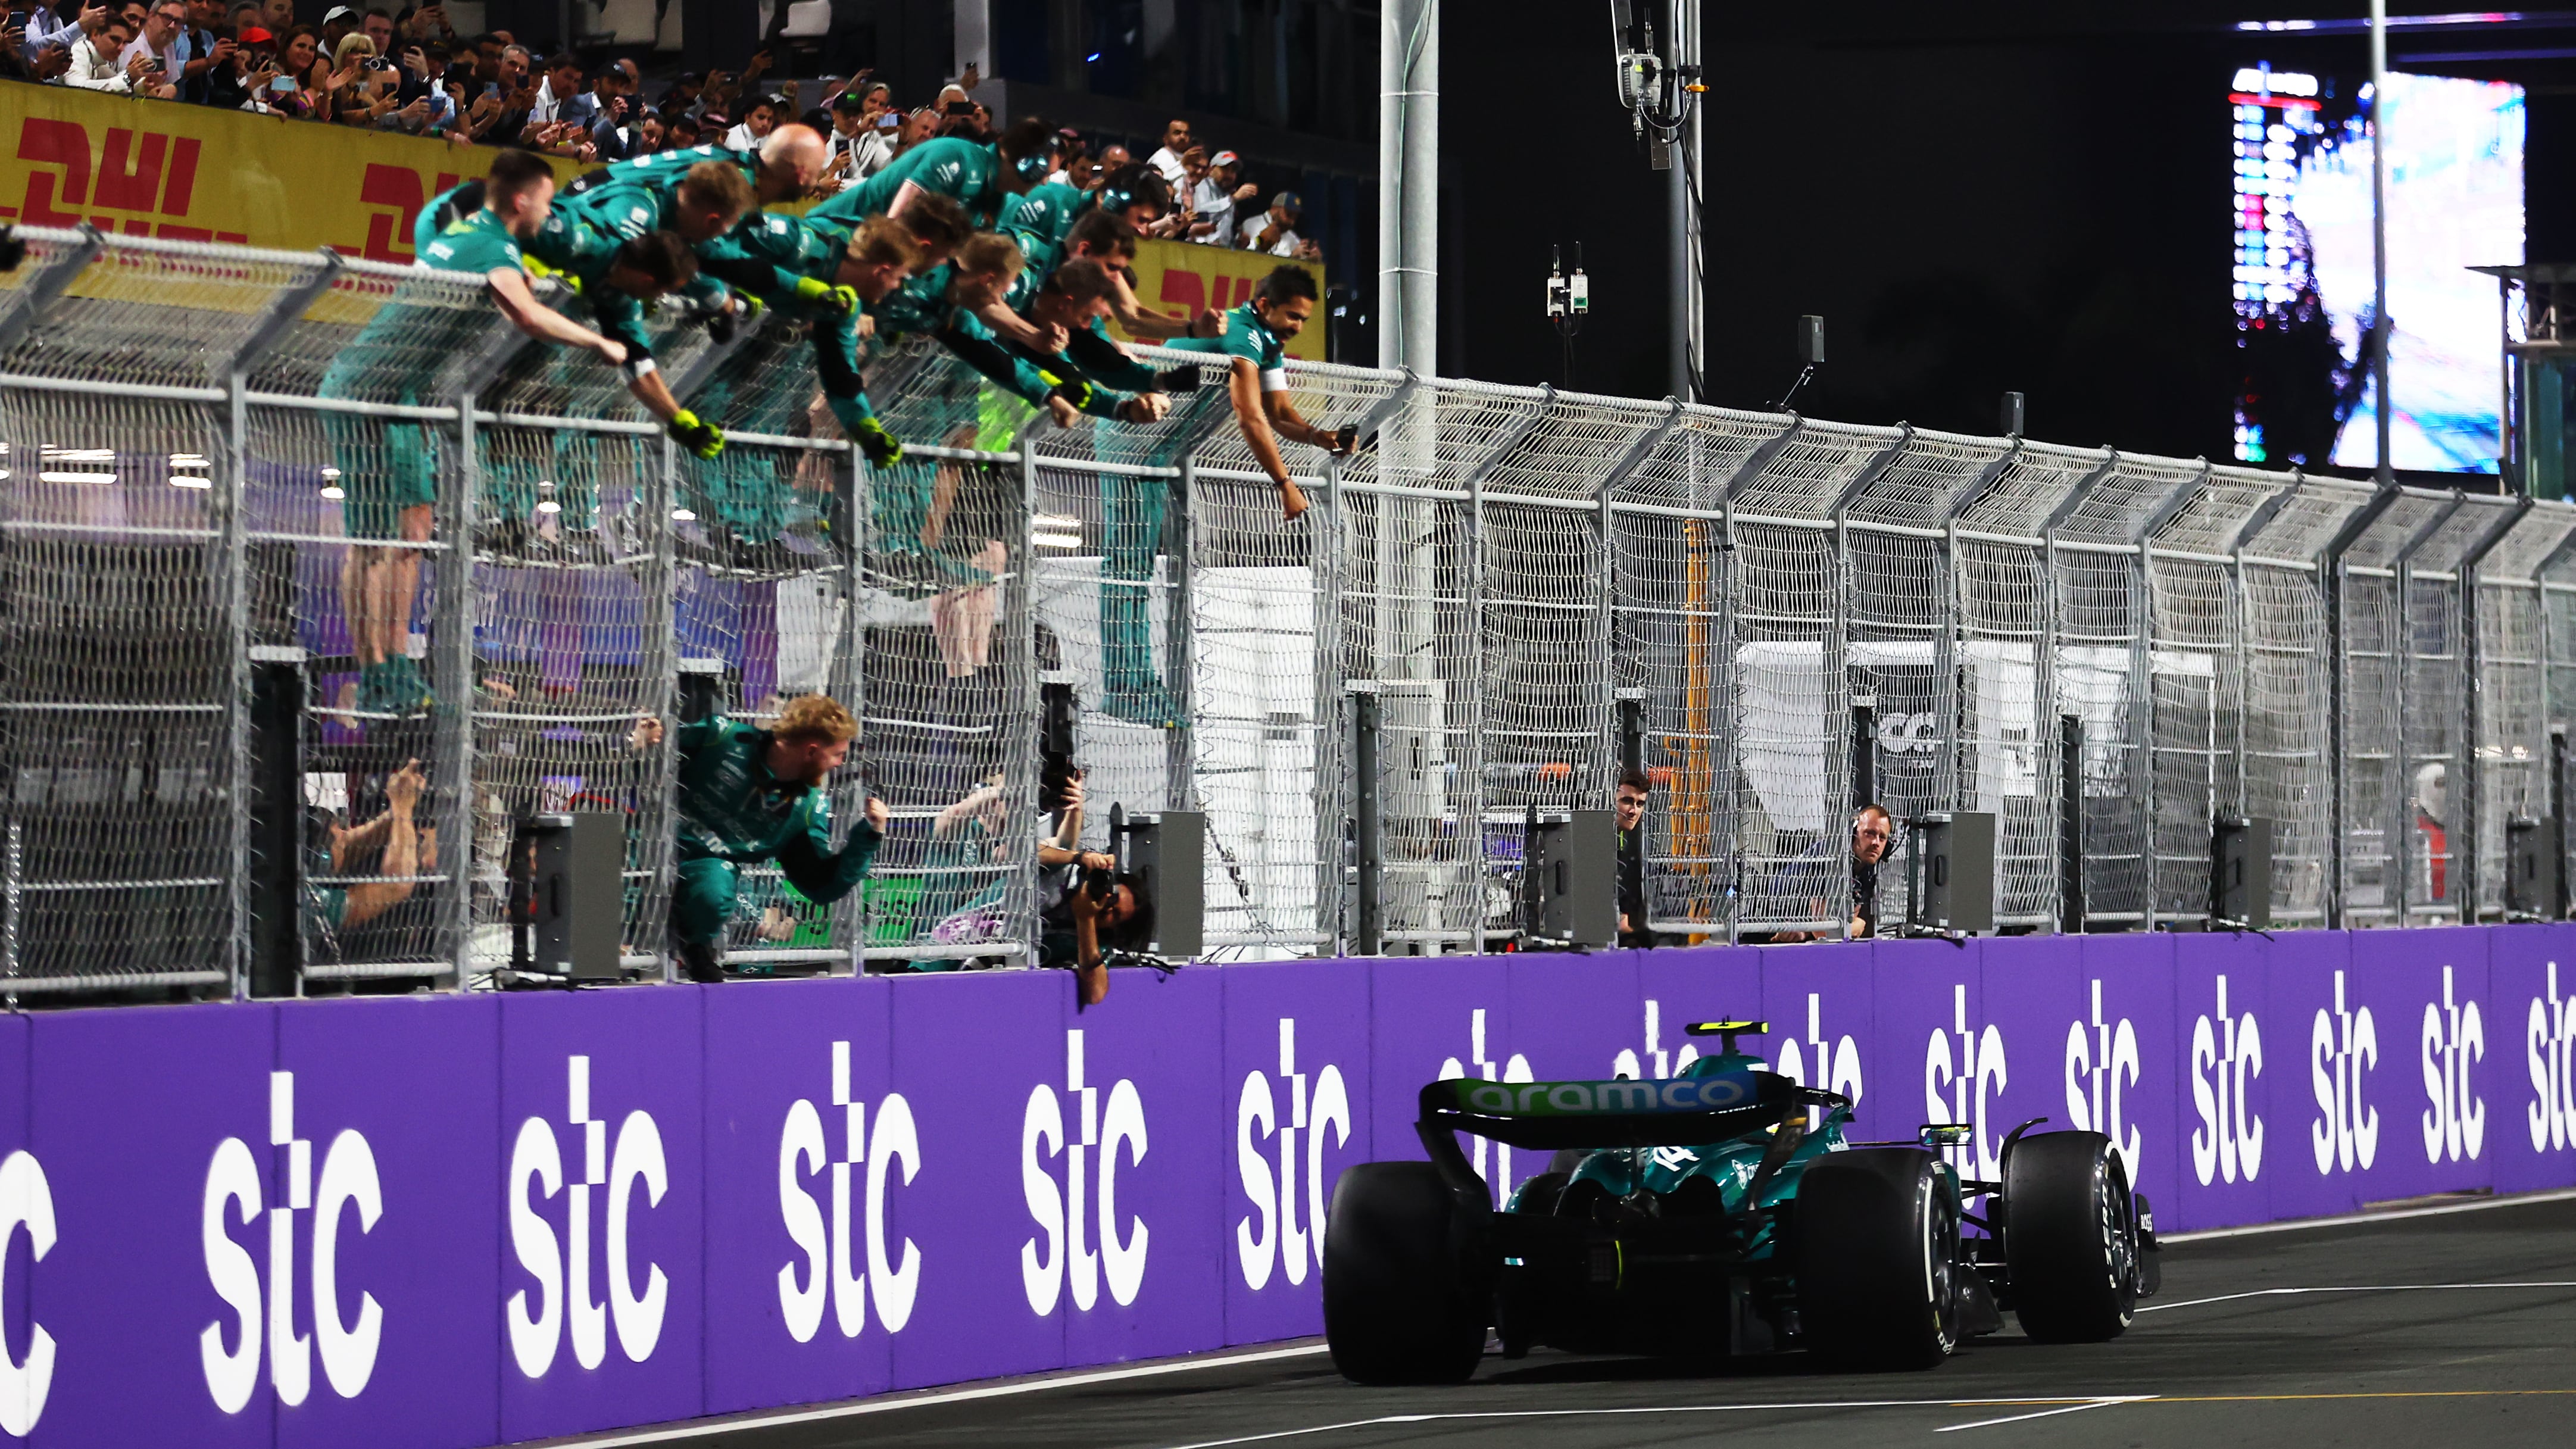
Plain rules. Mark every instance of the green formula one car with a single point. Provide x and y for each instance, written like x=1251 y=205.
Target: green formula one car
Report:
x=1718 y=1213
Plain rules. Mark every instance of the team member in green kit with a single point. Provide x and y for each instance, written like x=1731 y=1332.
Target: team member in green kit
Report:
x=1255 y=338
x=981 y=178
x=749 y=795
x=389 y=470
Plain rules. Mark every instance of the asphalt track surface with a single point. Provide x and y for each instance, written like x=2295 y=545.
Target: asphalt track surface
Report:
x=2457 y=1329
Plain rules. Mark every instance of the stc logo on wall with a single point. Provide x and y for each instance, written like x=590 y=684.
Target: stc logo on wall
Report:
x=1515 y=1070
x=1658 y=1063
x=1832 y=1064
x=565 y=1266
x=2455 y=1041
x=26 y=1202
x=2226 y=1056
x=1297 y=1189
x=828 y=1239
x=1957 y=1084
x=2343 y=1048
x=348 y=1198
x=1069 y=1191
x=2101 y=1067
x=2548 y=1036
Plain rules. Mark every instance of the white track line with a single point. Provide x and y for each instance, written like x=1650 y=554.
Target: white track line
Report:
x=2061 y=1405
x=700 y=1429
x=2362 y=1288
x=2348 y=1220
x=2046 y=1413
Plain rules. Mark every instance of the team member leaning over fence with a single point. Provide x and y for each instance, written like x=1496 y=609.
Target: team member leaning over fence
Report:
x=749 y=795
x=983 y=179
x=790 y=160
x=819 y=274
x=1256 y=335
x=389 y=470
x=1132 y=199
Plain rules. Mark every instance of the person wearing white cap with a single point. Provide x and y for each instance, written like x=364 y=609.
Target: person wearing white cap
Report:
x=1214 y=200
x=338 y=21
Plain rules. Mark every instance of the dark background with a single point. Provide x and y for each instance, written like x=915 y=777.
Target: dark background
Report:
x=1999 y=196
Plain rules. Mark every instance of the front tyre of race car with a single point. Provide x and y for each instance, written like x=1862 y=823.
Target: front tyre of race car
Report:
x=2070 y=1238
x=1878 y=1259
x=1400 y=1303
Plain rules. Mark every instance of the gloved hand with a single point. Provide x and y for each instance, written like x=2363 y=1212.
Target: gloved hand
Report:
x=838 y=301
x=880 y=446
x=1076 y=391
x=702 y=438
x=1177 y=379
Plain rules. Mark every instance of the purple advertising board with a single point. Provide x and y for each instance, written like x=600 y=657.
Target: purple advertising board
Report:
x=459 y=1220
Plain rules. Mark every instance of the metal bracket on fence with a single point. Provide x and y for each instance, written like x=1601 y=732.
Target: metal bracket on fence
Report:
x=1386 y=407
x=2176 y=499
x=693 y=375
x=1757 y=460
x=2077 y=496
x=1644 y=448
x=1870 y=472
x=2264 y=513
x=284 y=311
x=50 y=281
x=1975 y=488
x=1511 y=439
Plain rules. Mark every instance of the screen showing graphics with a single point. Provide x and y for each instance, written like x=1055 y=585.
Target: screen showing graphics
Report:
x=2303 y=266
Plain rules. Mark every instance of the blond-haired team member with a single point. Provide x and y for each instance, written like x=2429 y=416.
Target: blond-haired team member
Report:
x=748 y=795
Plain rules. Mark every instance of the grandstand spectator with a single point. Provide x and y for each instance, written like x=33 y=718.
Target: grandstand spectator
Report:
x=748 y=795
x=1167 y=162
x=1256 y=337
x=158 y=46
x=683 y=93
x=560 y=97
x=759 y=118
x=428 y=25
x=1814 y=873
x=61 y=24
x=1214 y=198
x=863 y=126
x=1275 y=231
x=363 y=84
x=305 y=74
x=242 y=85
x=94 y=64
x=378 y=26
x=277 y=16
x=206 y=47
x=646 y=135
x=680 y=132
x=611 y=136
x=1114 y=158
x=338 y=24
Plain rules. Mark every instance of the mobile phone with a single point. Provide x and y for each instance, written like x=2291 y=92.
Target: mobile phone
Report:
x=961 y=108
x=283 y=86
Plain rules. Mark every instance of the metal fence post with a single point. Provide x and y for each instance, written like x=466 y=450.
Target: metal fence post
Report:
x=2142 y=676
x=2473 y=706
x=1180 y=671
x=1480 y=869
x=1023 y=912
x=849 y=675
x=1324 y=567
x=2051 y=618
x=2401 y=830
x=2330 y=562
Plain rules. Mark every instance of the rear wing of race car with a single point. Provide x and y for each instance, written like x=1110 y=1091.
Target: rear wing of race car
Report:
x=1681 y=1112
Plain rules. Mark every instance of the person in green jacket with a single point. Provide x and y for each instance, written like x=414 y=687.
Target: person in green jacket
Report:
x=749 y=795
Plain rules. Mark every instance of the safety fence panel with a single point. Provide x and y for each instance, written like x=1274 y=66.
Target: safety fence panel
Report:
x=2286 y=762
x=474 y=567
x=2509 y=726
x=2010 y=745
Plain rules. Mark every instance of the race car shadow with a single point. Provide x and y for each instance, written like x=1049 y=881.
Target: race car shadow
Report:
x=1545 y=1366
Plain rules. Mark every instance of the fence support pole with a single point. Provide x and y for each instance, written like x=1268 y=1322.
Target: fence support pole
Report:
x=2330 y=563
x=1368 y=839
x=2142 y=656
x=2473 y=709
x=2045 y=684
x=1479 y=789
x=1324 y=570
x=2401 y=828
x=1024 y=909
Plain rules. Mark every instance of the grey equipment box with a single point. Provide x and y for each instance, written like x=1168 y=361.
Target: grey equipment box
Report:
x=576 y=905
x=1954 y=852
x=1168 y=851
x=1573 y=863
x=2240 y=882
x=2531 y=875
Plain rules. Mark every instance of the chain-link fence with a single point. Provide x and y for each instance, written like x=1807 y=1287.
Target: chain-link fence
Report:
x=476 y=566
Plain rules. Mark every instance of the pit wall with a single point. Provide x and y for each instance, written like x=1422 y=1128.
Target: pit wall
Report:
x=454 y=1221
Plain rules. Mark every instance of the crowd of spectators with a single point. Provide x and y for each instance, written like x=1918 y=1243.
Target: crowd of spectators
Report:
x=408 y=70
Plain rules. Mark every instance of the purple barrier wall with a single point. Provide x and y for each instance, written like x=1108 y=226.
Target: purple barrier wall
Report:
x=459 y=1221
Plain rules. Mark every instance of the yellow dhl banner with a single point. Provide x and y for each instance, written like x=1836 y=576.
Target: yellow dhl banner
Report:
x=162 y=169
x=1182 y=277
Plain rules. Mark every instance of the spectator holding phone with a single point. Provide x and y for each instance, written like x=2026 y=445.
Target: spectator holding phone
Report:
x=61 y=25
x=1167 y=161
x=1215 y=197
x=205 y=49
x=242 y=85
x=94 y=59
x=1275 y=231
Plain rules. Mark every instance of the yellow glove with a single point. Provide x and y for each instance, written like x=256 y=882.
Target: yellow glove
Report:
x=702 y=438
x=839 y=301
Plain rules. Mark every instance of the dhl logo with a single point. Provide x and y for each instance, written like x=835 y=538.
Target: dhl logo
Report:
x=143 y=184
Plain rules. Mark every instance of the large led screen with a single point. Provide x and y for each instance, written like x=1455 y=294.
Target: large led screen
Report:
x=2303 y=280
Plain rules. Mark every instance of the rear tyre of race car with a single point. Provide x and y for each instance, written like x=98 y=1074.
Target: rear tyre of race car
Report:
x=1400 y=1304
x=2070 y=1238
x=1877 y=1260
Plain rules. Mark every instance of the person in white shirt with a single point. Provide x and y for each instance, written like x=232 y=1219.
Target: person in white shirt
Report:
x=861 y=146
x=759 y=118
x=1176 y=140
x=94 y=67
x=1275 y=231
x=1214 y=199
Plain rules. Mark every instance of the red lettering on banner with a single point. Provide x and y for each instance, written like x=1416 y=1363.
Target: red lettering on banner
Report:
x=59 y=143
x=388 y=239
x=135 y=186
x=1185 y=288
x=183 y=179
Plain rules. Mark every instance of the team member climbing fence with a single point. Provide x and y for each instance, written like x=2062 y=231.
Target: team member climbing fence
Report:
x=748 y=795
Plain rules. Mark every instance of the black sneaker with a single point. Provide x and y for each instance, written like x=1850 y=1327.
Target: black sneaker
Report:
x=700 y=962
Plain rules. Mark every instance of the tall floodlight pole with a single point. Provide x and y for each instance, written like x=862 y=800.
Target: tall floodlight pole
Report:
x=1659 y=83
x=2385 y=414
x=1408 y=184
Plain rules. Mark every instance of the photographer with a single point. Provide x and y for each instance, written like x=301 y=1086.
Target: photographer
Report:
x=1084 y=904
